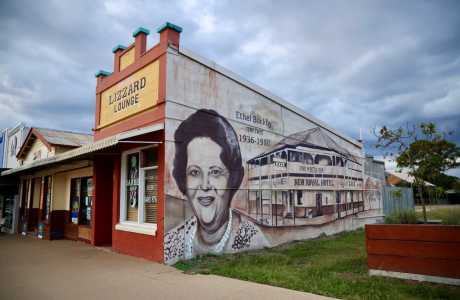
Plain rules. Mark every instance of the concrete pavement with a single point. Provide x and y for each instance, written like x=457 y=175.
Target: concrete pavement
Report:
x=37 y=269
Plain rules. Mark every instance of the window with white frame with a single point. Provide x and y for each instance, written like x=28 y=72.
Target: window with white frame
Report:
x=139 y=187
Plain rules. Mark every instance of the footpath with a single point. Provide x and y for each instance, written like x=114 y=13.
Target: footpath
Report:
x=38 y=269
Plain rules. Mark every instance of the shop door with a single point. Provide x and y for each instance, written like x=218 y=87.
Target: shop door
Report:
x=86 y=201
x=26 y=219
x=80 y=209
x=32 y=212
x=23 y=206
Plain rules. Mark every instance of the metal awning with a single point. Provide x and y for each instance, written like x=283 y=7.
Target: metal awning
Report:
x=86 y=149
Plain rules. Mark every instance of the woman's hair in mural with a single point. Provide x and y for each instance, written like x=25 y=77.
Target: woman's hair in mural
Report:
x=209 y=124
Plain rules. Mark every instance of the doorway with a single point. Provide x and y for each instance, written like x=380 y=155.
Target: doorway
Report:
x=23 y=208
x=79 y=223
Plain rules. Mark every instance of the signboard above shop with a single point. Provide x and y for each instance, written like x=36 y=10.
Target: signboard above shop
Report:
x=130 y=96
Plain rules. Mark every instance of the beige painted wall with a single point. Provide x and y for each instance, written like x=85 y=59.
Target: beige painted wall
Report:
x=38 y=146
x=127 y=58
x=61 y=149
x=61 y=186
x=36 y=195
x=59 y=189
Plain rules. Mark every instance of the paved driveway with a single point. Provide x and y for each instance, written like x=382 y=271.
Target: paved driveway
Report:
x=37 y=269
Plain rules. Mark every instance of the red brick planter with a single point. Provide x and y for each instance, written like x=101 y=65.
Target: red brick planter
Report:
x=419 y=252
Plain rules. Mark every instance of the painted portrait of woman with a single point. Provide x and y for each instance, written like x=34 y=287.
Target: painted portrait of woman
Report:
x=208 y=171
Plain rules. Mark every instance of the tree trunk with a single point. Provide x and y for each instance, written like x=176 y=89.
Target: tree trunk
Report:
x=420 y=189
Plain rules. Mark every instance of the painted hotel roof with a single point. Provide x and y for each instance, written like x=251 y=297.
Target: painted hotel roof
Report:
x=313 y=138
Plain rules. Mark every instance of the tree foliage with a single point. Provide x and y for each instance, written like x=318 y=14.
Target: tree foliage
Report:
x=421 y=149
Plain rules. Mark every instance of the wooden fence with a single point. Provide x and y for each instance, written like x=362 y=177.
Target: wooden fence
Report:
x=431 y=250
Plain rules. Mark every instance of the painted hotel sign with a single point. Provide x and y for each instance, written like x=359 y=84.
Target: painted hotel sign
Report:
x=130 y=96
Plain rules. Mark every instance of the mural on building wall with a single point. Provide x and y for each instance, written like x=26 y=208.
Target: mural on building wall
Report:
x=208 y=170
x=304 y=179
x=248 y=174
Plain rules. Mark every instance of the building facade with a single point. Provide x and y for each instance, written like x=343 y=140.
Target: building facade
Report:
x=15 y=138
x=10 y=141
x=43 y=194
x=2 y=146
x=188 y=159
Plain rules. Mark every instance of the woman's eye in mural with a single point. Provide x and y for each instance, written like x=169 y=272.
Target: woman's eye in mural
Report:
x=217 y=172
x=194 y=172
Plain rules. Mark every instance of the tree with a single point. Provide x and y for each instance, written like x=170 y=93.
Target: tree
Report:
x=420 y=149
x=445 y=181
x=438 y=193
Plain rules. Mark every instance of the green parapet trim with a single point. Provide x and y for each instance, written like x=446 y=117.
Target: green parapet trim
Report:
x=118 y=47
x=103 y=73
x=139 y=30
x=170 y=26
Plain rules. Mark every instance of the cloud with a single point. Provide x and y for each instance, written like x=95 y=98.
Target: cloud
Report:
x=355 y=65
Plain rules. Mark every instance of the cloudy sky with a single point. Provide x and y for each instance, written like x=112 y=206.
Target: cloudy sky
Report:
x=352 y=64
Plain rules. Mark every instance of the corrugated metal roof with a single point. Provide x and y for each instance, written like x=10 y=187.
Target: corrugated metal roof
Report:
x=406 y=177
x=313 y=137
x=85 y=149
x=65 y=138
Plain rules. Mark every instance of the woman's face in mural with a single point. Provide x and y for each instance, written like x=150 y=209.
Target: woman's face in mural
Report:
x=207 y=182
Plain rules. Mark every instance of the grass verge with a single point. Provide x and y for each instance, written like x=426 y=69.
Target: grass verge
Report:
x=332 y=266
x=448 y=215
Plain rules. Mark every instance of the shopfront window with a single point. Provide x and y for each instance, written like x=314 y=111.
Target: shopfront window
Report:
x=81 y=191
x=132 y=186
x=149 y=172
x=139 y=186
x=86 y=200
x=75 y=186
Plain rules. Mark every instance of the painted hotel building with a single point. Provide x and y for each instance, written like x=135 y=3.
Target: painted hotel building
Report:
x=189 y=158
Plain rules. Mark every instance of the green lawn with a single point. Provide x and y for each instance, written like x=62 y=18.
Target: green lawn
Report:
x=448 y=215
x=331 y=266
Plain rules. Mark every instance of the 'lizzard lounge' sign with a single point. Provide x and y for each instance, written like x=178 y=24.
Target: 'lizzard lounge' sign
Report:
x=130 y=96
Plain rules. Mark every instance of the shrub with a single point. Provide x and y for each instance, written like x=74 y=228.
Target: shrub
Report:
x=404 y=216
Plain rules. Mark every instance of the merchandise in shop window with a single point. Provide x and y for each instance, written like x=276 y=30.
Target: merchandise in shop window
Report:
x=75 y=199
x=150 y=195
x=132 y=184
x=74 y=214
x=86 y=198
